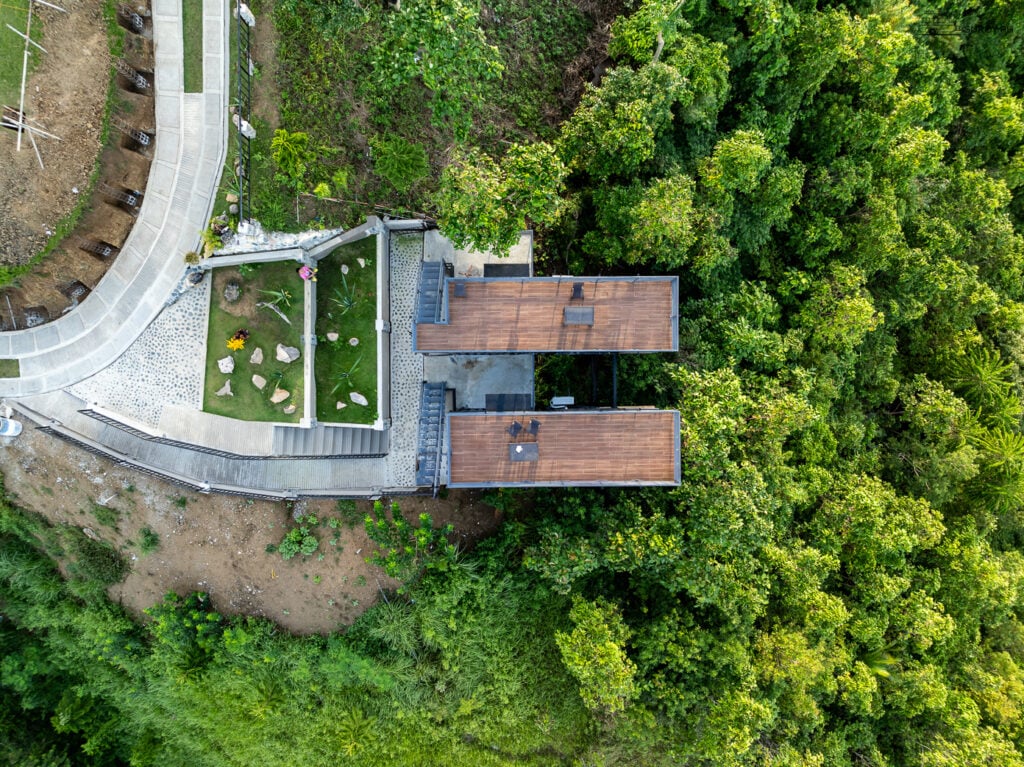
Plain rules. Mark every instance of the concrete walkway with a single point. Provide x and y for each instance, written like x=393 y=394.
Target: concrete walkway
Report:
x=191 y=142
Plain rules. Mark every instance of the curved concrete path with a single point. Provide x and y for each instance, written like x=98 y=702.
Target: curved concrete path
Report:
x=191 y=144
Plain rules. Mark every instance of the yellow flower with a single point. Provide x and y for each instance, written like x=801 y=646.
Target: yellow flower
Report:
x=234 y=344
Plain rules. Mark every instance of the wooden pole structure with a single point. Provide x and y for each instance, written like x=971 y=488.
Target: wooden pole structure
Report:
x=24 y=74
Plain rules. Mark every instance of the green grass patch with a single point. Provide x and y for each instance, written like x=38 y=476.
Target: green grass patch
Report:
x=10 y=369
x=266 y=331
x=192 y=29
x=346 y=304
x=149 y=540
x=105 y=515
x=12 y=48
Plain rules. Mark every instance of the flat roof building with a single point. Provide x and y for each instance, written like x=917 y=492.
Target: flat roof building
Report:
x=573 y=448
x=550 y=314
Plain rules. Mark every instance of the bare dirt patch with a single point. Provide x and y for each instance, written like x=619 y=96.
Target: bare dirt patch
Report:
x=217 y=543
x=67 y=96
x=266 y=94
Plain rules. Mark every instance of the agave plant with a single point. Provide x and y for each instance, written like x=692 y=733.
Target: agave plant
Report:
x=344 y=297
x=345 y=379
x=280 y=296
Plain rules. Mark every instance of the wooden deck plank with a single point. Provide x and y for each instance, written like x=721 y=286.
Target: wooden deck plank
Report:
x=507 y=315
x=614 y=447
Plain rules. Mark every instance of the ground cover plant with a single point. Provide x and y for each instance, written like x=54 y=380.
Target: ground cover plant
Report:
x=266 y=292
x=347 y=306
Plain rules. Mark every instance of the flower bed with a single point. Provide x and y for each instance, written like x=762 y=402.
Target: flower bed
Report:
x=346 y=352
x=267 y=294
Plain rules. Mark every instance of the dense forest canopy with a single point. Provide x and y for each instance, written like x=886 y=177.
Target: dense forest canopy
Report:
x=837 y=581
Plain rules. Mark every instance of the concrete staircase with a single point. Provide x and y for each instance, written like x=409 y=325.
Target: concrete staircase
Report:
x=329 y=441
x=431 y=434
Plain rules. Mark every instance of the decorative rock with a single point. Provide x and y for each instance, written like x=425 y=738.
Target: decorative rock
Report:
x=289 y=410
x=361 y=262
x=358 y=398
x=332 y=336
x=259 y=382
x=230 y=197
x=257 y=356
x=232 y=292
x=339 y=405
x=225 y=390
x=287 y=353
x=353 y=341
x=226 y=365
x=344 y=268
x=280 y=395
x=233 y=209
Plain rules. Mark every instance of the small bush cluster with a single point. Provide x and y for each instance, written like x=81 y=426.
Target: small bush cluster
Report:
x=300 y=540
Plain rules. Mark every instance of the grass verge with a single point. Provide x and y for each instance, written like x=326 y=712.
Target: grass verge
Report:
x=346 y=304
x=192 y=30
x=12 y=48
x=266 y=331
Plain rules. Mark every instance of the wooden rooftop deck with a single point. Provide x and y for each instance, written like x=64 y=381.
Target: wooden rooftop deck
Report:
x=630 y=314
x=573 y=448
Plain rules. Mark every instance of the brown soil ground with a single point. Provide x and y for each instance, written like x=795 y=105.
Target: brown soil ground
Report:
x=217 y=543
x=66 y=95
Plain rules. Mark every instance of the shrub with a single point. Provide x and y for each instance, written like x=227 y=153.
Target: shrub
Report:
x=299 y=540
x=400 y=162
x=150 y=540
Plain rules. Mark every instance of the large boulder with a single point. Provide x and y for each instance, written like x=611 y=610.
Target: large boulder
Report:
x=287 y=353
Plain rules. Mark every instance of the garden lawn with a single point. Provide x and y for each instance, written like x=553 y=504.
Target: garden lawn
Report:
x=266 y=331
x=346 y=304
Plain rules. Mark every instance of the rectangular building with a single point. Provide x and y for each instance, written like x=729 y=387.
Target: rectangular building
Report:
x=571 y=448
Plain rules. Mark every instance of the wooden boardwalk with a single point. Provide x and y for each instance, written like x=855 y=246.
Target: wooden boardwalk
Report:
x=573 y=447
x=528 y=315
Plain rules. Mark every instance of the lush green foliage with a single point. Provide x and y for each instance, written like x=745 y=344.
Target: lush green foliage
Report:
x=484 y=205
x=364 y=82
x=838 y=579
x=462 y=666
x=406 y=550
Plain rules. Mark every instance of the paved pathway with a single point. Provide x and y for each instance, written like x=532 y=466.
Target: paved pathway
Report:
x=125 y=354
x=191 y=130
